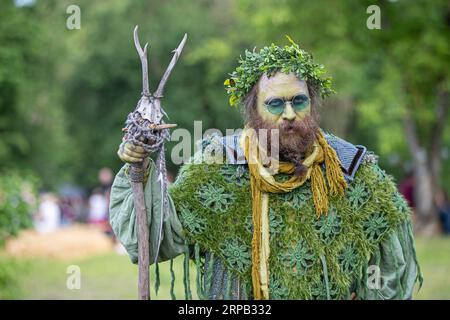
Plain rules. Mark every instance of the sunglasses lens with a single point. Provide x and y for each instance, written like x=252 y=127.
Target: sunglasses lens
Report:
x=300 y=102
x=275 y=106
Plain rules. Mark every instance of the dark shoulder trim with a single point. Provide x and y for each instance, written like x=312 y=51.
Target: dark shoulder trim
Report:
x=349 y=154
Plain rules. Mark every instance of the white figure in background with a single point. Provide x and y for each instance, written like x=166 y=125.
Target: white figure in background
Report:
x=98 y=207
x=48 y=218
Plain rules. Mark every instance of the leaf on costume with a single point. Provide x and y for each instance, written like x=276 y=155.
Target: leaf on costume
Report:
x=215 y=198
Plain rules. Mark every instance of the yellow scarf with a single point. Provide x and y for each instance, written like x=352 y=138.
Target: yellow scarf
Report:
x=262 y=183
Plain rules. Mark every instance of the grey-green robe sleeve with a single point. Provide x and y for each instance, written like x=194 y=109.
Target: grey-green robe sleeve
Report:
x=123 y=218
x=396 y=264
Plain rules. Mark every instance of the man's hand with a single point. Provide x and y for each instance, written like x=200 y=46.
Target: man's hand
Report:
x=128 y=152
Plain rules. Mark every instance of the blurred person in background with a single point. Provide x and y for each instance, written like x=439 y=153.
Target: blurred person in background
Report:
x=106 y=177
x=48 y=217
x=73 y=203
x=98 y=208
x=406 y=188
x=68 y=214
x=443 y=205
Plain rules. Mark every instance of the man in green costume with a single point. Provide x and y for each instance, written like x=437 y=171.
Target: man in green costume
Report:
x=280 y=210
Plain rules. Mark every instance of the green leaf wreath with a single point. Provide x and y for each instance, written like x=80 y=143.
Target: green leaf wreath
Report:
x=271 y=59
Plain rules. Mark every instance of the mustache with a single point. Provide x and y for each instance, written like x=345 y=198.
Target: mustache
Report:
x=303 y=128
x=295 y=135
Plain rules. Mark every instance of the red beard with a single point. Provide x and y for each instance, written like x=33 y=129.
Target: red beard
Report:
x=296 y=138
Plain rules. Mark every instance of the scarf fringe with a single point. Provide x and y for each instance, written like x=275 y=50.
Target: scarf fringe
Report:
x=334 y=174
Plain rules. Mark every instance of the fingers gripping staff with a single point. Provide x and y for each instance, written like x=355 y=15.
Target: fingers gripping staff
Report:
x=145 y=128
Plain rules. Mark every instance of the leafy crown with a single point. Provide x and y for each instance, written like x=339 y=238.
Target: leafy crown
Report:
x=271 y=59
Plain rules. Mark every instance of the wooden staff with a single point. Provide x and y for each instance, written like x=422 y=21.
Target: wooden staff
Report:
x=145 y=127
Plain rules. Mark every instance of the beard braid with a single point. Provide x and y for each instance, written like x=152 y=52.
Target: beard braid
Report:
x=296 y=138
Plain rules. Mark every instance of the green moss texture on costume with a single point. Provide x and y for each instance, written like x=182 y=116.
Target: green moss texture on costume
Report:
x=310 y=258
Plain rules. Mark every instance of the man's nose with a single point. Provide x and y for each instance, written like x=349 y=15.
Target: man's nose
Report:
x=289 y=113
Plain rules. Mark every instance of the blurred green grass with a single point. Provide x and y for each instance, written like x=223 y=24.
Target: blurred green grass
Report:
x=112 y=276
x=107 y=276
x=434 y=259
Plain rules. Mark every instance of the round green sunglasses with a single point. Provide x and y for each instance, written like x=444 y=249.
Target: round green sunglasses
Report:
x=277 y=105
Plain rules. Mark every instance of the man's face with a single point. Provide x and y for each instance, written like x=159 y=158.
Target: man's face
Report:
x=282 y=98
x=283 y=104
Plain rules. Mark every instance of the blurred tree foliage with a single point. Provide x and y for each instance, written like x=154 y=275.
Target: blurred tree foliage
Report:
x=64 y=94
x=33 y=125
x=17 y=202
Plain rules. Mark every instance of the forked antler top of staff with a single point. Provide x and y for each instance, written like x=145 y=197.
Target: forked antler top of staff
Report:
x=176 y=54
x=143 y=56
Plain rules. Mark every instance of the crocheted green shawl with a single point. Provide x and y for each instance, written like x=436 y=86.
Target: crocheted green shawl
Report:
x=310 y=258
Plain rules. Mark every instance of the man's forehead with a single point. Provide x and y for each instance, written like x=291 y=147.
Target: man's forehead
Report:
x=281 y=85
